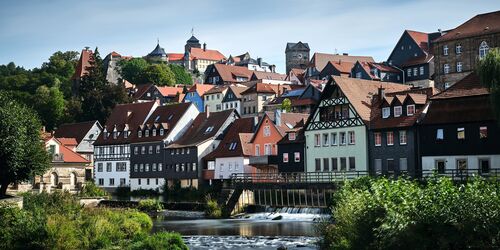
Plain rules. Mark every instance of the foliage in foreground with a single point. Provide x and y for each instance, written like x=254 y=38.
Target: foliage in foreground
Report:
x=212 y=209
x=150 y=205
x=57 y=221
x=92 y=190
x=489 y=75
x=402 y=214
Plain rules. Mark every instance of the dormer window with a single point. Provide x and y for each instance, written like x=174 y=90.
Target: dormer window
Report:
x=410 y=110
x=170 y=117
x=139 y=133
x=154 y=132
x=146 y=133
x=162 y=131
x=397 y=111
x=125 y=134
x=291 y=136
x=386 y=112
x=232 y=146
x=105 y=135
x=115 y=134
x=209 y=129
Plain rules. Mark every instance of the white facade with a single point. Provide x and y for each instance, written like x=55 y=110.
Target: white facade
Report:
x=146 y=183
x=429 y=163
x=108 y=175
x=232 y=105
x=225 y=167
x=213 y=101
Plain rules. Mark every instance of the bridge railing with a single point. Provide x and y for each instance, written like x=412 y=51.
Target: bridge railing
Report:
x=331 y=177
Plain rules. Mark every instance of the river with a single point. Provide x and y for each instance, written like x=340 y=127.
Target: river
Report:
x=293 y=230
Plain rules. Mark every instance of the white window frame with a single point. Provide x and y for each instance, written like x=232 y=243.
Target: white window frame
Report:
x=408 y=113
x=325 y=139
x=351 y=138
x=285 y=157
x=445 y=50
x=446 y=68
x=459 y=67
x=403 y=135
x=398 y=111
x=421 y=70
x=296 y=156
x=386 y=112
x=387 y=138
x=379 y=135
x=333 y=139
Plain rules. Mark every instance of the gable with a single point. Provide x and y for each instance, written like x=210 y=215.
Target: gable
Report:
x=404 y=50
x=259 y=137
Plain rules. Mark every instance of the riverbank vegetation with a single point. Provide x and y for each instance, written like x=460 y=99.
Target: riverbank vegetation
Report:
x=212 y=208
x=58 y=221
x=90 y=189
x=403 y=214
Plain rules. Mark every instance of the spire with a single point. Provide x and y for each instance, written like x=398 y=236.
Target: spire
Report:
x=192 y=31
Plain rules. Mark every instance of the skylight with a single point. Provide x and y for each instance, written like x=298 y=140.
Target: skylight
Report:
x=170 y=117
x=232 y=146
x=157 y=118
x=289 y=125
x=209 y=129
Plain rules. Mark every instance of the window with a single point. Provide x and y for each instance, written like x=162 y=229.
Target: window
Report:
x=378 y=165
x=194 y=166
x=285 y=157
x=143 y=150
x=334 y=164
x=160 y=167
x=403 y=164
x=378 y=138
x=483 y=49
x=421 y=70
x=154 y=168
x=150 y=150
x=209 y=129
x=141 y=167
x=403 y=139
x=147 y=181
x=136 y=168
x=483 y=132
x=410 y=110
x=267 y=149
x=317 y=163
x=440 y=166
x=257 y=150
x=484 y=165
x=390 y=138
x=122 y=181
x=139 y=181
x=462 y=164
x=267 y=131
x=343 y=163
x=232 y=146
x=397 y=111
x=121 y=167
x=390 y=165
x=296 y=156
x=445 y=50
x=439 y=134
x=352 y=137
x=146 y=169
x=101 y=182
x=125 y=134
x=157 y=149
x=458 y=49
x=154 y=132
x=146 y=133
x=342 y=138
x=461 y=133
x=291 y=136
x=446 y=85
x=386 y=112
x=358 y=75
x=317 y=140
x=326 y=140
x=333 y=139
x=230 y=166
x=162 y=131
x=136 y=150
x=109 y=167
x=459 y=66
x=326 y=164
x=415 y=71
x=446 y=68
x=111 y=181
x=352 y=163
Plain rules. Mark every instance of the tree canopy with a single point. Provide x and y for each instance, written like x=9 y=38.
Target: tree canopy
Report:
x=159 y=74
x=489 y=75
x=140 y=71
x=22 y=151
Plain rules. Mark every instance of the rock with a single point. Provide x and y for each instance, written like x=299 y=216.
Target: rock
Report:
x=281 y=247
x=279 y=217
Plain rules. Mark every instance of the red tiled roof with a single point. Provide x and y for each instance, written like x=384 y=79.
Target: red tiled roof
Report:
x=214 y=55
x=68 y=141
x=482 y=24
x=197 y=134
x=228 y=73
x=257 y=75
x=68 y=155
x=74 y=130
x=259 y=87
x=169 y=91
x=83 y=64
x=288 y=121
x=217 y=89
x=468 y=86
x=200 y=88
x=319 y=60
x=175 y=56
x=475 y=108
x=237 y=133
x=420 y=38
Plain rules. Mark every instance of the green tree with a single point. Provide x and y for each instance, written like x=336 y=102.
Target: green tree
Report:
x=181 y=75
x=489 y=75
x=286 y=105
x=49 y=103
x=159 y=74
x=132 y=70
x=22 y=151
x=98 y=97
x=62 y=65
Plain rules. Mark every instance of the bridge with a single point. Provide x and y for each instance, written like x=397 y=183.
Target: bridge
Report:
x=315 y=189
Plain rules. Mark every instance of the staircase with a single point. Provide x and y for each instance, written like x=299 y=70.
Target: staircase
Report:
x=228 y=199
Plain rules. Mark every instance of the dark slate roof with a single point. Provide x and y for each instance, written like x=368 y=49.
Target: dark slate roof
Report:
x=197 y=133
x=158 y=51
x=74 y=130
x=193 y=39
x=290 y=46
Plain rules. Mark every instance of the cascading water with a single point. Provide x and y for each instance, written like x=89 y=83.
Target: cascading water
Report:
x=289 y=214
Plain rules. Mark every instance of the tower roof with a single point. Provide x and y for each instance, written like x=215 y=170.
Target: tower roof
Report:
x=158 y=51
x=193 y=39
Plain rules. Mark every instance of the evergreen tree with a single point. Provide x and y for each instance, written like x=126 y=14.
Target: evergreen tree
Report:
x=489 y=75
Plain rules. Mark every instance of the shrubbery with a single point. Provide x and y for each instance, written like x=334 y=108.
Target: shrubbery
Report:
x=57 y=221
x=212 y=210
x=150 y=205
x=403 y=214
x=90 y=189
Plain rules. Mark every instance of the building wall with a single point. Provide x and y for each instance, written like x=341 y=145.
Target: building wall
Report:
x=405 y=49
x=249 y=102
x=64 y=173
x=214 y=101
x=394 y=152
x=196 y=99
x=291 y=165
x=142 y=183
x=358 y=150
x=113 y=174
x=261 y=140
x=298 y=58
x=225 y=167
x=469 y=57
x=236 y=104
x=429 y=162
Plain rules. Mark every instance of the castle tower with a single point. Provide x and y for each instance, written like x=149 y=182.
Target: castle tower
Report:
x=297 y=55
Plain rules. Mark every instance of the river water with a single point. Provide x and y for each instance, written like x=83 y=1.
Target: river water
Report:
x=293 y=230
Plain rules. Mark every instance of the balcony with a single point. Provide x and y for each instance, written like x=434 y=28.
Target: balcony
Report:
x=263 y=160
x=58 y=157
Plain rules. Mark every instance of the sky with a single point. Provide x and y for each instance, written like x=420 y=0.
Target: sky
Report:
x=31 y=30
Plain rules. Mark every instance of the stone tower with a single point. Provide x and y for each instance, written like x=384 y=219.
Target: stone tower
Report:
x=297 y=55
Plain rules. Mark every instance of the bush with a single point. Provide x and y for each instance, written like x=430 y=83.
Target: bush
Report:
x=403 y=214
x=90 y=189
x=160 y=241
x=212 y=210
x=150 y=205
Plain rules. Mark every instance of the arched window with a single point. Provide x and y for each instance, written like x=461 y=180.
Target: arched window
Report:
x=54 y=180
x=483 y=49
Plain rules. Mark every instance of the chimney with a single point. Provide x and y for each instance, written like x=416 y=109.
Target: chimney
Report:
x=87 y=48
x=277 y=117
x=259 y=61
x=204 y=47
x=255 y=121
x=273 y=68
x=207 y=111
x=345 y=54
x=381 y=93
